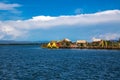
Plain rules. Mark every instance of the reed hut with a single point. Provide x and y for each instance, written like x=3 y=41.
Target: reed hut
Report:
x=81 y=43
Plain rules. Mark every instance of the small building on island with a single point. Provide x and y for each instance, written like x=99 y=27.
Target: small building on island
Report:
x=99 y=43
x=53 y=44
x=81 y=43
x=65 y=43
x=96 y=42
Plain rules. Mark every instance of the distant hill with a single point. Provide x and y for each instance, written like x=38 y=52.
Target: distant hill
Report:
x=12 y=42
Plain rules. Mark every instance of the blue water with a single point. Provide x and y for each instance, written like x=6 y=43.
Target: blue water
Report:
x=35 y=63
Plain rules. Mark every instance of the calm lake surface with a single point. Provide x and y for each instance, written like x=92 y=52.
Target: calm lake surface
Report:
x=35 y=63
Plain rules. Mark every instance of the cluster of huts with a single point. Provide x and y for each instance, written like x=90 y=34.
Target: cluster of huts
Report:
x=83 y=44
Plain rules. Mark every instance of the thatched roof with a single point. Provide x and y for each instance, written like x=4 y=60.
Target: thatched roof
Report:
x=81 y=41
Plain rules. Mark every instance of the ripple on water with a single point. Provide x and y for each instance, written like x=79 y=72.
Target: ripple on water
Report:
x=34 y=63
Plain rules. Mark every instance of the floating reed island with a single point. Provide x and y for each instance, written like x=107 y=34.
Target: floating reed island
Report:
x=83 y=44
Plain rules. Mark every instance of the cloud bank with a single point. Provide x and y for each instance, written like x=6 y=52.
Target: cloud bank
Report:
x=19 y=27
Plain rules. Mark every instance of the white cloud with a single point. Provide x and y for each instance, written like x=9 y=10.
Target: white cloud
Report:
x=10 y=32
x=42 y=18
x=5 y=6
x=110 y=36
x=72 y=20
x=9 y=11
x=39 y=22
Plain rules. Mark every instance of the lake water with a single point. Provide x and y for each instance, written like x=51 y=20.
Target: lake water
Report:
x=35 y=63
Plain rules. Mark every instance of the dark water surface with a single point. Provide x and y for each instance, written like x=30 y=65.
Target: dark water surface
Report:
x=34 y=63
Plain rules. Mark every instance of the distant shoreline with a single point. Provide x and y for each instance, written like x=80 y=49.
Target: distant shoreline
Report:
x=20 y=43
x=16 y=44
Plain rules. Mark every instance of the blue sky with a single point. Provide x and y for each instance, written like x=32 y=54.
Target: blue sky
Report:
x=57 y=19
